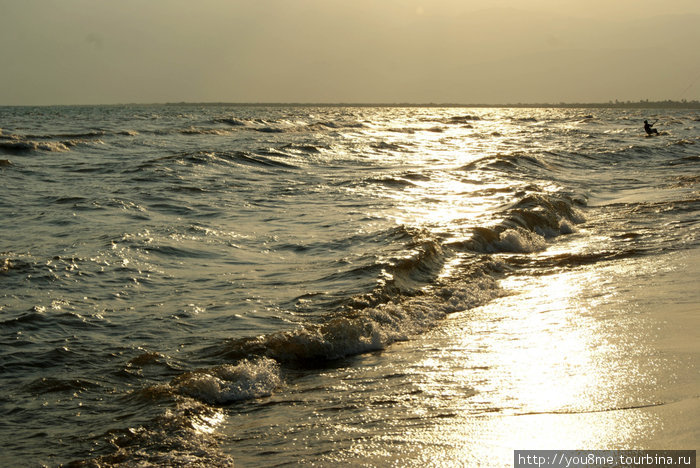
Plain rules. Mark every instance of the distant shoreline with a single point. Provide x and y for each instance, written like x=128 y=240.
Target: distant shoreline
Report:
x=611 y=105
x=562 y=105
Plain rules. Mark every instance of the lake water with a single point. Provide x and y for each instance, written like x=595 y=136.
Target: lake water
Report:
x=210 y=285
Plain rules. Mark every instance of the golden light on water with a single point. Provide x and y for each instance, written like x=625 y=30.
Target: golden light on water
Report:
x=457 y=194
x=566 y=360
x=541 y=368
x=545 y=328
x=206 y=422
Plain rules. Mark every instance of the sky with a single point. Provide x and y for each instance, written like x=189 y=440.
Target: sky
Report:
x=350 y=51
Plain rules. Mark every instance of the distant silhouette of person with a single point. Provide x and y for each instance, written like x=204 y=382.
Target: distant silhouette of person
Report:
x=648 y=128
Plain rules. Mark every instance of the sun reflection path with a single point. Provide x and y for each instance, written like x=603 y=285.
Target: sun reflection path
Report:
x=577 y=359
x=564 y=361
x=546 y=328
x=450 y=181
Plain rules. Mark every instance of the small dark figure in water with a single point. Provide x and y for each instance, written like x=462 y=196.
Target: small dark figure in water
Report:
x=649 y=130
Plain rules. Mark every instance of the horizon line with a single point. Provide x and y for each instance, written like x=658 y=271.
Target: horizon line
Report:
x=690 y=104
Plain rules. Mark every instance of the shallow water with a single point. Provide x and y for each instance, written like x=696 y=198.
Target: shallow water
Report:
x=221 y=284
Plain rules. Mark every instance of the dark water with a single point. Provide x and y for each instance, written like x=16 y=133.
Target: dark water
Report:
x=209 y=285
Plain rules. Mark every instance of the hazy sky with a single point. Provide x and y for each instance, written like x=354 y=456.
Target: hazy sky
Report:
x=467 y=51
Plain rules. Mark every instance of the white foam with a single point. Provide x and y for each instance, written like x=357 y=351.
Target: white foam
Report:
x=27 y=145
x=53 y=146
x=377 y=327
x=520 y=241
x=566 y=227
x=229 y=383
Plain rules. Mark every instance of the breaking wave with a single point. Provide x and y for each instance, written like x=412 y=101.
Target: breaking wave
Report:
x=28 y=146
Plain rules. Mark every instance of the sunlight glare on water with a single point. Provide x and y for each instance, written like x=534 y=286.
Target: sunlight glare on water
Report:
x=344 y=286
x=550 y=365
x=548 y=377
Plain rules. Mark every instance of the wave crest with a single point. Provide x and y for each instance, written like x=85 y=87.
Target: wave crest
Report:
x=354 y=331
x=28 y=146
x=229 y=383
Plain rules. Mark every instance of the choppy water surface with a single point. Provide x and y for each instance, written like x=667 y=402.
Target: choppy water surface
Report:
x=210 y=285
